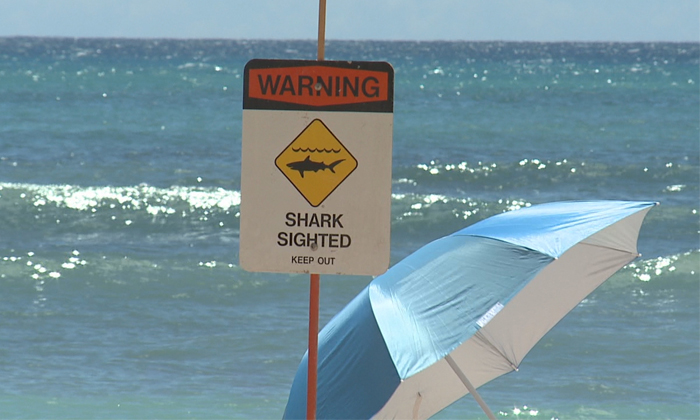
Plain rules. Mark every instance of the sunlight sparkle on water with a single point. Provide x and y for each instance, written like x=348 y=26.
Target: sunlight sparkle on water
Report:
x=154 y=201
x=517 y=412
x=645 y=270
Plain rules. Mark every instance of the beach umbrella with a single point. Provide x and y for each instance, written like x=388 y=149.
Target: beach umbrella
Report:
x=465 y=309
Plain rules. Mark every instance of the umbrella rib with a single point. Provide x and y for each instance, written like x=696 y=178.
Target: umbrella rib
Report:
x=480 y=335
x=611 y=248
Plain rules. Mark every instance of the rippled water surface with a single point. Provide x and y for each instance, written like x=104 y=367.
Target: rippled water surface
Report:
x=120 y=291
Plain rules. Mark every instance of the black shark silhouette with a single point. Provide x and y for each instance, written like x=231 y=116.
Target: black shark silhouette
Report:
x=307 y=165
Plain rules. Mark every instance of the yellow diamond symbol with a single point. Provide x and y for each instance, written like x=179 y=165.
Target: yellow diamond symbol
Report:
x=316 y=162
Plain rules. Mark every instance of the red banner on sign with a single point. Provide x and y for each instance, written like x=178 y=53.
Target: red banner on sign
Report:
x=316 y=84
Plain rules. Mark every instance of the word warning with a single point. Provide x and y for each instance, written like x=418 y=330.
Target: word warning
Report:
x=326 y=85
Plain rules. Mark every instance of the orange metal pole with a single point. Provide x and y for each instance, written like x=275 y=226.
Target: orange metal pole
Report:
x=315 y=279
x=321 y=28
x=314 y=292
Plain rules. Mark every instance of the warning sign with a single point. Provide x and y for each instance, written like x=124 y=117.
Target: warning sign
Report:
x=316 y=166
x=316 y=162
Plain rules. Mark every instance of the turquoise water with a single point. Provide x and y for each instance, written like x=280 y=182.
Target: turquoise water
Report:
x=120 y=291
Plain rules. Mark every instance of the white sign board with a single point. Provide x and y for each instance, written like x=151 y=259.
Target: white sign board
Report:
x=316 y=166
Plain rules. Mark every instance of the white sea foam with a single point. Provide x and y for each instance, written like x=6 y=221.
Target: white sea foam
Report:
x=151 y=199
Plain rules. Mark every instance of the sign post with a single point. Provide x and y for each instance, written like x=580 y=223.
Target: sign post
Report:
x=315 y=279
x=316 y=172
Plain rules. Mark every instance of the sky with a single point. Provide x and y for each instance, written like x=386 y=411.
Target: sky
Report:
x=471 y=20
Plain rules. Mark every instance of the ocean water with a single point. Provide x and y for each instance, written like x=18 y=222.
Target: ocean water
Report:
x=120 y=291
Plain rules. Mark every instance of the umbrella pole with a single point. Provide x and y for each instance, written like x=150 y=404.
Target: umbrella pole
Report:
x=470 y=387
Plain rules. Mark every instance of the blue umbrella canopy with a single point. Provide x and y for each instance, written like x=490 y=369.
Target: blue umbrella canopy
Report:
x=468 y=305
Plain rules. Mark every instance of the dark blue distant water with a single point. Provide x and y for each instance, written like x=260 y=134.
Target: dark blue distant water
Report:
x=120 y=294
